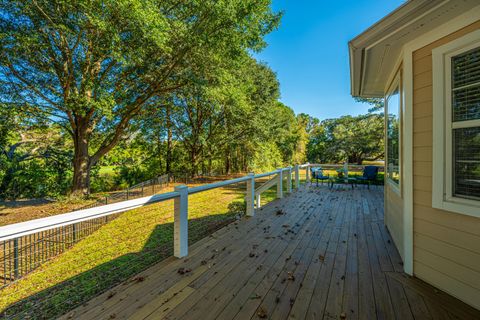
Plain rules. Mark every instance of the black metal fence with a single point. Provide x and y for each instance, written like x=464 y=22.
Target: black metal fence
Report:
x=143 y=189
x=22 y=255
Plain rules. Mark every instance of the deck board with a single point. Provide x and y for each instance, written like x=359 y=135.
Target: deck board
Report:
x=329 y=257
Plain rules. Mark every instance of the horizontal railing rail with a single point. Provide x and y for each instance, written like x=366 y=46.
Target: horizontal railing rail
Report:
x=26 y=228
x=27 y=245
x=352 y=167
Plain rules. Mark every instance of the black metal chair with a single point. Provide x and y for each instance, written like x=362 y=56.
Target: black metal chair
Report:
x=370 y=174
x=318 y=175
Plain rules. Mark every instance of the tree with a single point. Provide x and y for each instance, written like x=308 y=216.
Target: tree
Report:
x=93 y=66
x=347 y=138
x=377 y=103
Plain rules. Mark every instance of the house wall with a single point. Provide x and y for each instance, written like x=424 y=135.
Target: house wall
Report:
x=446 y=245
x=394 y=216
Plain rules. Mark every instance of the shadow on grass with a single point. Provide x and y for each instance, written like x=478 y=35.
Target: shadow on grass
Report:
x=62 y=297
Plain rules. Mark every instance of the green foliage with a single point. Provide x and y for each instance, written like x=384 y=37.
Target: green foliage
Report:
x=347 y=138
x=148 y=87
x=377 y=103
x=94 y=66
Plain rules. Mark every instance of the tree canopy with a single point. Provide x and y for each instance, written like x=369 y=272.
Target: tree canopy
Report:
x=100 y=95
x=93 y=66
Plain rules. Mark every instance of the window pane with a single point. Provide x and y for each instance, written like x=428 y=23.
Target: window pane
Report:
x=466 y=162
x=466 y=103
x=466 y=68
x=393 y=135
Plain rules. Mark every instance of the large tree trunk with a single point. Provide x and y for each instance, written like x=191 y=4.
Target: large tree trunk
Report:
x=159 y=152
x=193 y=163
x=81 y=164
x=169 y=141
x=227 y=162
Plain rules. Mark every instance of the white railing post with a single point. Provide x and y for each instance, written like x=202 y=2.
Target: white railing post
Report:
x=180 y=219
x=250 y=197
x=297 y=177
x=289 y=180
x=307 y=173
x=280 y=184
x=259 y=201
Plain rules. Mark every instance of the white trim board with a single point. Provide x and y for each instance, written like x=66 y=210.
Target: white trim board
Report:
x=408 y=163
x=396 y=83
x=442 y=193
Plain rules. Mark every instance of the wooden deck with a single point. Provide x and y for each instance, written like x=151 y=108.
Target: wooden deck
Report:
x=316 y=254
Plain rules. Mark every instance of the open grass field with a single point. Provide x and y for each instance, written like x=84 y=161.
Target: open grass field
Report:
x=117 y=251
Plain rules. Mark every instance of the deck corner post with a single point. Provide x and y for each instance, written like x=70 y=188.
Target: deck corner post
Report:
x=180 y=224
x=289 y=180
x=297 y=177
x=250 y=196
x=307 y=173
x=280 y=184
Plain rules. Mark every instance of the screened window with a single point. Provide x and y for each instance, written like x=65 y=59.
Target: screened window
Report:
x=466 y=124
x=393 y=136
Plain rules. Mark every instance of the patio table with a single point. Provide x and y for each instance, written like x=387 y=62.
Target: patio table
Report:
x=342 y=180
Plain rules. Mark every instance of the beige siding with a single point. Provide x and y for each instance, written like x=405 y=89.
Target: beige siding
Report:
x=394 y=217
x=446 y=245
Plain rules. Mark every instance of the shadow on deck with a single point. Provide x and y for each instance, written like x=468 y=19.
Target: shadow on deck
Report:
x=316 y=254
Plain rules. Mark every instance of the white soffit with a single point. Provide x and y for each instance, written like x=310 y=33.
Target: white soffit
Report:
x=374 y=53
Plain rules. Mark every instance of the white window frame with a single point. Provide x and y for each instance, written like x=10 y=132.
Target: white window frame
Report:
x=396 y=83
x=442 y=180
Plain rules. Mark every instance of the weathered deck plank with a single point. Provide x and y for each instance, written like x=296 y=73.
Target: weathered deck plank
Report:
x=328 y=257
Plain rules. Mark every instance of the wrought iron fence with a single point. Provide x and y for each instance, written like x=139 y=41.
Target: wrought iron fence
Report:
x=21 y=255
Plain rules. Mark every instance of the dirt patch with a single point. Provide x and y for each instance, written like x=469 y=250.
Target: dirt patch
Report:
x=28 y=209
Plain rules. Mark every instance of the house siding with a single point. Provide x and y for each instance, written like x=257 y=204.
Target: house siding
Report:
x=446 y=244
x=394 y=217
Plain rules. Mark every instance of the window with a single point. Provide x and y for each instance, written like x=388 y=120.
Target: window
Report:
x=456 y=85
x=465 y=94
x=393 y=114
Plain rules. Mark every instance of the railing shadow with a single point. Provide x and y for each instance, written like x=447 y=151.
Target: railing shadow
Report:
x=62 y=297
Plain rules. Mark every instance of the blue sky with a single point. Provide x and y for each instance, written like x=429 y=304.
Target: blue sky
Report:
x=309 y=52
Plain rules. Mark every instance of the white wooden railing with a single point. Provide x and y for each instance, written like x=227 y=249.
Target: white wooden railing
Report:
x=10 y=235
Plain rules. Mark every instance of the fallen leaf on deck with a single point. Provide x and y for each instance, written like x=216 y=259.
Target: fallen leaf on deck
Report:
x=261 y=313
x=183 y=270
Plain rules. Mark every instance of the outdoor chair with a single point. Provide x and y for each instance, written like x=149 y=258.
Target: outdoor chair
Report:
x=319 y=176
x=369 y=175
